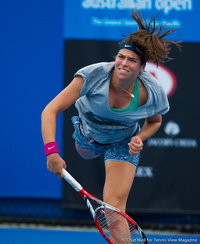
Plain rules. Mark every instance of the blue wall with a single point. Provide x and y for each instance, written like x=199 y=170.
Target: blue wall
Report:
x=31 y=74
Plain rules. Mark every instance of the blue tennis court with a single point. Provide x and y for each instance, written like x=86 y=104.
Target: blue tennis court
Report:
x=33 y=236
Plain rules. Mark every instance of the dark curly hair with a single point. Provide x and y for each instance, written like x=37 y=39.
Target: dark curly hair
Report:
x=149 y=39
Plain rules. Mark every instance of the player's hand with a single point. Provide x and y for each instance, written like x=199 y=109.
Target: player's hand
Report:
x=55 y=164
x=135 y=146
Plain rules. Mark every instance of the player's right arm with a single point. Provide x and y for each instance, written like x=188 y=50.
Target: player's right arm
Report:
x=60 y=103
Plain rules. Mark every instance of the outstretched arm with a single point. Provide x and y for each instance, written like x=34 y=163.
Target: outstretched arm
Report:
x=60 y=103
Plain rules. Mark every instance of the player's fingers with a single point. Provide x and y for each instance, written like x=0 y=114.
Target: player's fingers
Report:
x=60 y=176
x=136 y=145
x=59 y=173
x=133 y=151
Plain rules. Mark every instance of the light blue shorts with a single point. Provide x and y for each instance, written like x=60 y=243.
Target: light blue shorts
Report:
x=118 y=151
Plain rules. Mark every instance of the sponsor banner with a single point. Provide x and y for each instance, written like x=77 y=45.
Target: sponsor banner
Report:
x=167 y=178
x=164 y=75
x=111 y=20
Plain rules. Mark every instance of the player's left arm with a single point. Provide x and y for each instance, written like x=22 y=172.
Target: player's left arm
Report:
x=151 y=125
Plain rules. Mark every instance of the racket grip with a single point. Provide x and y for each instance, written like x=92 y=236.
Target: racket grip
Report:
x=71 y=180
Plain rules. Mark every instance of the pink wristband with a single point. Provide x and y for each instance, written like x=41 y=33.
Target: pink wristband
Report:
x=51 y=147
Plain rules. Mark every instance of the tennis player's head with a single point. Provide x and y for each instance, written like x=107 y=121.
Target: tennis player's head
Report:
x=148 y=42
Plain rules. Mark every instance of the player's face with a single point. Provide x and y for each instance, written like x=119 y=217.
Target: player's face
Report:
x=128 y=65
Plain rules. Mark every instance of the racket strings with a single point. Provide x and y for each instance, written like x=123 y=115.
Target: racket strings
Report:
x=117 y=228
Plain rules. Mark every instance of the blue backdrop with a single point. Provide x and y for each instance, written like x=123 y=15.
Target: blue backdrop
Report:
x=110 y=19
x=31 y=74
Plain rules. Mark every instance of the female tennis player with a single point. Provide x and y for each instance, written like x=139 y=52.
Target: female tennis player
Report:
x=111 y=98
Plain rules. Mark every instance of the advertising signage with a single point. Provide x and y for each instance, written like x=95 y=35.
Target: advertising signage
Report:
x=111 y=20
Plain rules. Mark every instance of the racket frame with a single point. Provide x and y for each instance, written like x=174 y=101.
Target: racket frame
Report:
x=86 y=196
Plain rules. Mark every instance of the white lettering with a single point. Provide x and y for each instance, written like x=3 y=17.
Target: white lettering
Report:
x=99 y=4
x=169 y=142
x=171 y=240
x=112 y=22
x=187 y=240
x=178 y=5
x=96 y=21
x=120 y=4
x=160 y=240
x=168 y=240
x=166 y=5
x=128 y=23
x=146 y=172
x=131 y=4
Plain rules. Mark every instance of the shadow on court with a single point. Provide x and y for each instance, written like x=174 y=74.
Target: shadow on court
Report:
x=41 y=236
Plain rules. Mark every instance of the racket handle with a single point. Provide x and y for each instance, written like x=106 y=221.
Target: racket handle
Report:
x=71 y=180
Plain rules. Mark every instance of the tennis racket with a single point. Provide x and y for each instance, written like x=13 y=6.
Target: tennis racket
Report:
x=114 y=225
